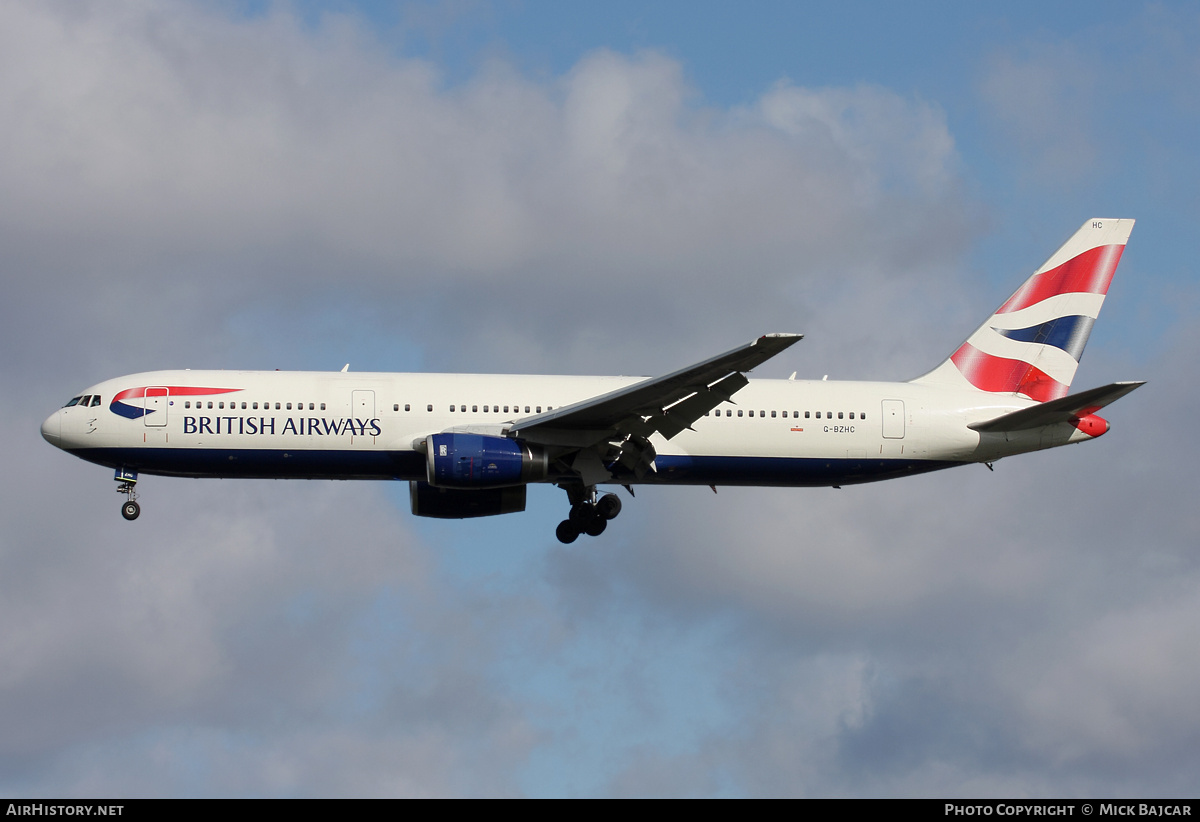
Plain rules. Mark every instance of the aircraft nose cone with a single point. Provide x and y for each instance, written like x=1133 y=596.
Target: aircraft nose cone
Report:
x=51 y=429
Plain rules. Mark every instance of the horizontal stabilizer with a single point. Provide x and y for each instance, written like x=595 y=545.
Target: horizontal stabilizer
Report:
x=1064 y=409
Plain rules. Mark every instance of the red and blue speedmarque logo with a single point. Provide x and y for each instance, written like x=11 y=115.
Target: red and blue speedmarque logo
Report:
x=134 y=411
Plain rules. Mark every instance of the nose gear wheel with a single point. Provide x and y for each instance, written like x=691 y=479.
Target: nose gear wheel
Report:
x=128 y=479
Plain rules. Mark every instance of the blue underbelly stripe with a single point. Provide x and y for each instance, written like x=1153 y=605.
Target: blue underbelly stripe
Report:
x=409 y=465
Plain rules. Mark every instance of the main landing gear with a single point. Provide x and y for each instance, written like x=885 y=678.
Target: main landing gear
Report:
x=588 y=515
x=128 y=479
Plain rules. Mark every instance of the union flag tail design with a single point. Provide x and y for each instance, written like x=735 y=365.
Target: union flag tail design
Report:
x=1031 y=346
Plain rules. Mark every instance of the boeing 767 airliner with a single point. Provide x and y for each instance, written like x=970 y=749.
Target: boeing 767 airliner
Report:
x=470 y=444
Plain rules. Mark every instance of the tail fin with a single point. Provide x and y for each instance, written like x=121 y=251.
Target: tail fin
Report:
x=1031 y=346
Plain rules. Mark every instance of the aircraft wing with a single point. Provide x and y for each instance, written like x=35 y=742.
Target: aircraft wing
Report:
x=1061 y=410
x=664 y=405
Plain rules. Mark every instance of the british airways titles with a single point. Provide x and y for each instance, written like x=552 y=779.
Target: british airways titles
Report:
x=299 y=426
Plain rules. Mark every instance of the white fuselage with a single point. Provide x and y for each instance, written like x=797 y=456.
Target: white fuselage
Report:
x=340 y=425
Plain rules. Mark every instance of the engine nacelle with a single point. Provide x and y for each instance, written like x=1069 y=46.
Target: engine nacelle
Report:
x=456 y=503
x=478 y=461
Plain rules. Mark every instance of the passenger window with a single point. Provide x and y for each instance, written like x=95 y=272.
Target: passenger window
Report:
x=840 y=415
x=427 y=408
x=452 y=409
x=862 y=415
x=210 y=403
x=539 y=409
x=818 y=415
x=506 y=409
x=527 y=409
x=289 y=406
x=407 y=407
x=739 y=412
x=474 y=409
x=322 y=406
x=220 y=405
x=773 y=414
x=729 y=412
x=396 y=406
x=851 y=415
x=254 y=406
x=311 y=407
x=243 y=406
x=277 y=406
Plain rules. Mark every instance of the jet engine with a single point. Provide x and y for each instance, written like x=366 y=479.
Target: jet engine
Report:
x=472 y=461
x=456 y=503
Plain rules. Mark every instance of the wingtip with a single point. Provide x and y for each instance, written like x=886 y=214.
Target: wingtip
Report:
x=788 y=338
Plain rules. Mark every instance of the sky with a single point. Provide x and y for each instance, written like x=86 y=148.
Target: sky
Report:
x=617 y=188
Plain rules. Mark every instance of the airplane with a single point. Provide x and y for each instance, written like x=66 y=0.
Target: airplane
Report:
x=469 y=445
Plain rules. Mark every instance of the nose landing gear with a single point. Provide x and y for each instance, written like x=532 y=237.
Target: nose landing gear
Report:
x=588 y=515
x=128 y=479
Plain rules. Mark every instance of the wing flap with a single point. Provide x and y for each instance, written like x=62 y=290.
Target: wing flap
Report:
x=680 y=416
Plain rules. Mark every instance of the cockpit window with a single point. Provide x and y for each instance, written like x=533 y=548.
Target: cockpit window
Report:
x=74 y=401
x=95 y=400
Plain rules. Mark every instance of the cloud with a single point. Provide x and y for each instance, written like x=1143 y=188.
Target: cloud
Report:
x=173 y=165
x=186 y=188
x=1046 y=102
x=1097 y=114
